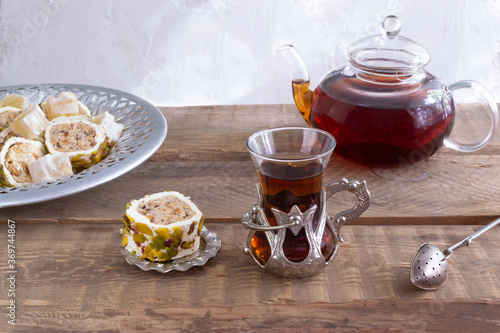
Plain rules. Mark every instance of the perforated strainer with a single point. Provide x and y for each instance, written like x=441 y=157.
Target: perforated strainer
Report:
x=429 y=267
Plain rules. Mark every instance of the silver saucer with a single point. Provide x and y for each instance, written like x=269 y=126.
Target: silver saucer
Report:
x=209 y=246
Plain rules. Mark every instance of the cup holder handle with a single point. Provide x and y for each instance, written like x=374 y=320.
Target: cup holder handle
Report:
x=362 y=203
x=249 y=221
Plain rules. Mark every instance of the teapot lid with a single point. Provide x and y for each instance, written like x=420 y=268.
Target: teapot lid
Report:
x=388 y=53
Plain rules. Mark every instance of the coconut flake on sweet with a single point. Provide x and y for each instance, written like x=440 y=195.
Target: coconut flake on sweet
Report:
x=50 y=167
x=136 y=210
x=31 y=123
x=64 y=104
x=112 y=128
x=14 y=100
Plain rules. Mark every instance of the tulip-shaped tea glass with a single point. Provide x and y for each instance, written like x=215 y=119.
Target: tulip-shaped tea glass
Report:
x=291 y=232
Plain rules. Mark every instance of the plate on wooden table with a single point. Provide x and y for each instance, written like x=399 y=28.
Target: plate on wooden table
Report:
x=144 y=132
x=209 y=246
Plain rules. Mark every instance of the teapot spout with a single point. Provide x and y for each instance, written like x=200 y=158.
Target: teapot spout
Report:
x=302 y=94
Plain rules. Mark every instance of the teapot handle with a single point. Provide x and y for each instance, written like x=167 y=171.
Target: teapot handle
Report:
x=468 y=147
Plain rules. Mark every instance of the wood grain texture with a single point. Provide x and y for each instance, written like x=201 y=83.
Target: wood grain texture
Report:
x=204 y=156
x=81 y=282
x=71 y=276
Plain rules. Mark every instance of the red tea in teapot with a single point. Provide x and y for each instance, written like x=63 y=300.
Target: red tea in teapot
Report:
x=301 y=186
x=383 y=107
x=398 y=126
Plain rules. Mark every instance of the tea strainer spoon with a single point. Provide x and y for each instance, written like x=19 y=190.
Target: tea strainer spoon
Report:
x=429 y=267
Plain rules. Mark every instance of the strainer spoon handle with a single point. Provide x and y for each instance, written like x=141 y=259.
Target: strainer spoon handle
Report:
x=468 y=240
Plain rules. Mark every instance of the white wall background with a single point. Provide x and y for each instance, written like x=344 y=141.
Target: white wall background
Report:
x=212 y=52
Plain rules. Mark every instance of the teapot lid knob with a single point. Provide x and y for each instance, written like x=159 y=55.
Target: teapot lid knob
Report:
x=391 y=26
x=389 y=53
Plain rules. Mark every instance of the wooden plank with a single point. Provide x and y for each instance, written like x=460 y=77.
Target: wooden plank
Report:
x=72 y=277
x=214 y=133
x=219 y=133
x=204 y=156
x=453 y=194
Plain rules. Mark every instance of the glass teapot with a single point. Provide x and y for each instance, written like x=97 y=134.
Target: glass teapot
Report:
x=383 y=108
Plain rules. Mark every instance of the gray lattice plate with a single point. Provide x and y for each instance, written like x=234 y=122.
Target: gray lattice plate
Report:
x=144 y=132
x=209 y=246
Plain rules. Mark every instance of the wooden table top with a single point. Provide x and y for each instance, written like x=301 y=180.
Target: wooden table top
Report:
x=71 y=275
